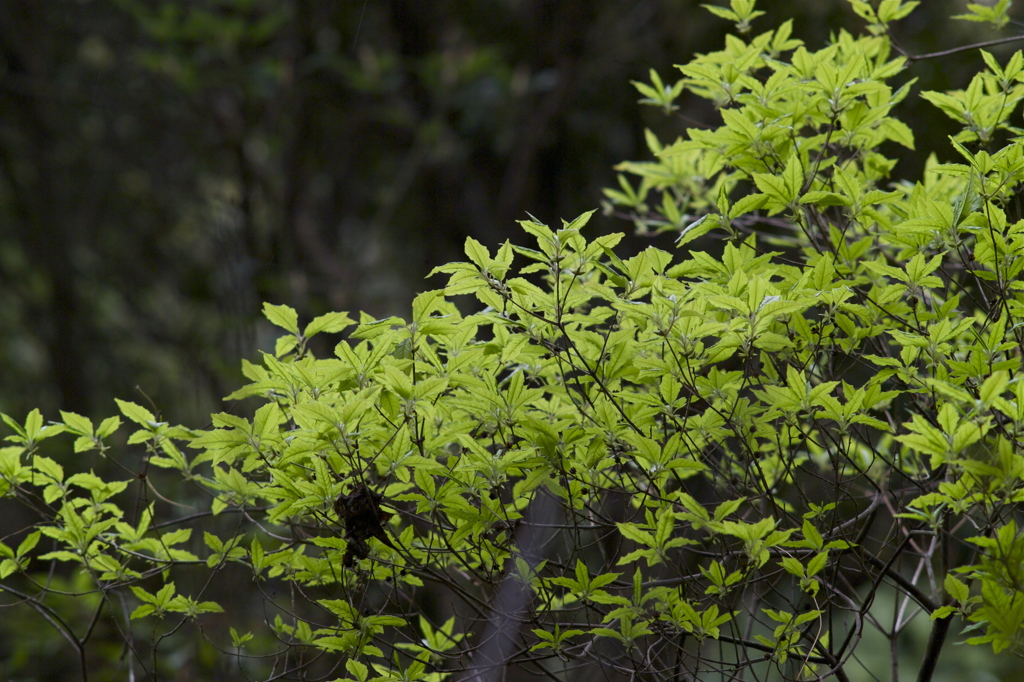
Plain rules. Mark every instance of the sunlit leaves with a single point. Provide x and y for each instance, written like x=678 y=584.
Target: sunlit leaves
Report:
x=658 y=94
x=995 y=14
x=165 y=601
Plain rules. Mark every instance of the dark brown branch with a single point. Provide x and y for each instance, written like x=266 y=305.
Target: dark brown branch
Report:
x=963 y=48
x=940 y=628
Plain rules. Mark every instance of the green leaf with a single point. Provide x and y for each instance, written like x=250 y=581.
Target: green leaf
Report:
x=819 y=562
x=358 y=670
x=28 y=544
x=330 y=323
x=956 y=589
x=77 y=424
x=477 y=253
x=775 y=188
x=108 y=426
x=239 y=641
x=631 y=532
x=698 y=228
x=283 y=316
x=136 y=413
x=747 y=204
x=993 y=387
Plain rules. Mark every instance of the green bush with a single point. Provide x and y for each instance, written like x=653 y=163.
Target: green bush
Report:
x=665 y=467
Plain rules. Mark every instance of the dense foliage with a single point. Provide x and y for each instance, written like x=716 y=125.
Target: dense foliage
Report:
x=668 y=467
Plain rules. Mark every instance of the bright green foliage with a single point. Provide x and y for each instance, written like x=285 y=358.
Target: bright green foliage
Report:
x=621 y=461
x=996 y=13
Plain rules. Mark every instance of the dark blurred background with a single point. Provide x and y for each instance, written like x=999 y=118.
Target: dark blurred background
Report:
x=165 y=167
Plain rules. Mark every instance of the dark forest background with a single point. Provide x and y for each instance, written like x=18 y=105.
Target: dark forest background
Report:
x=165 y=167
